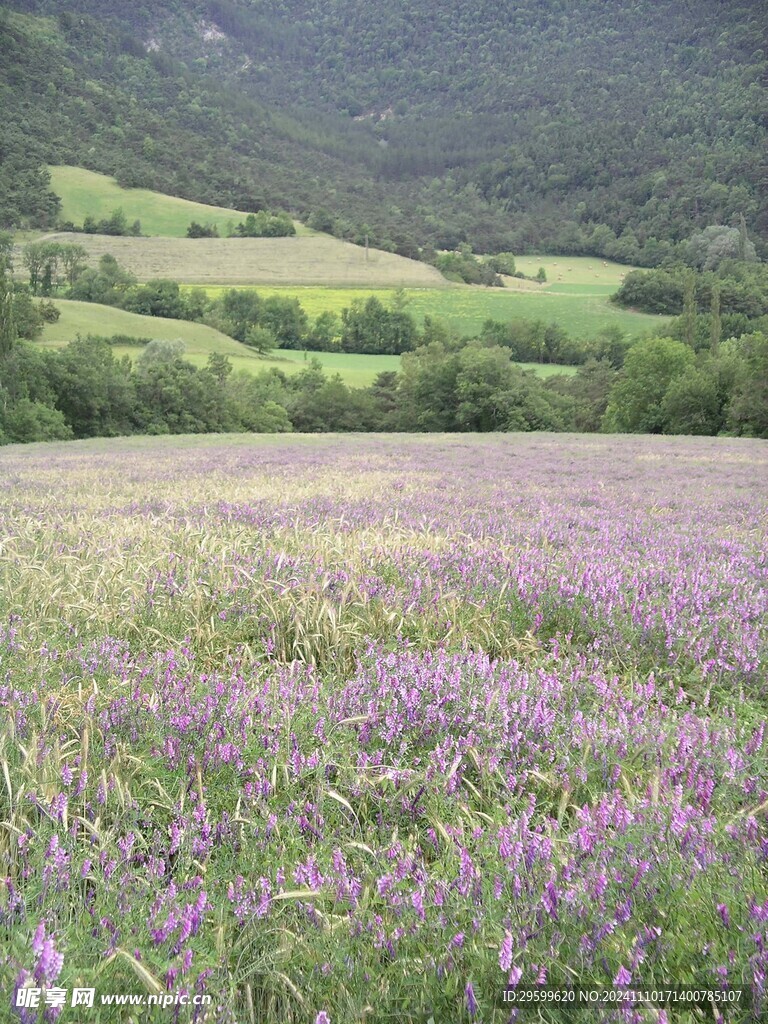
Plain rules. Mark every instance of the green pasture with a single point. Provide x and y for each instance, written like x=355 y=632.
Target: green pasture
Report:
x=200 y=341
x=464 y=308
x=85 y=193
x=579 y=289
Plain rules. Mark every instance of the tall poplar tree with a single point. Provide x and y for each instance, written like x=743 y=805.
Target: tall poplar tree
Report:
x=717 y=326
x=7 y=323
x=689 y=308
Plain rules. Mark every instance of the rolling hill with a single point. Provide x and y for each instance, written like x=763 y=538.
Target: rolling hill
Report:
x=326 y=274
x=84 y=318
x=92 y=318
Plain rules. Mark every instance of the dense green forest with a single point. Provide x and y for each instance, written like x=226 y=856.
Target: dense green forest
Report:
x=577 y=127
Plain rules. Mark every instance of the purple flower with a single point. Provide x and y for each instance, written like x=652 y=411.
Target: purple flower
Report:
x=549 y=899
x=49 y=960
x=417 y=900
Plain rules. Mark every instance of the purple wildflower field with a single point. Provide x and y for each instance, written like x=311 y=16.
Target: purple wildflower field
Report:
x=369 y=728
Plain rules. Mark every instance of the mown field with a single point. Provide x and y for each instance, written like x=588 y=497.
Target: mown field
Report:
x=316 y=260
x=83 y=318
x=587 y=272
x=85 y=193
x=369 y=728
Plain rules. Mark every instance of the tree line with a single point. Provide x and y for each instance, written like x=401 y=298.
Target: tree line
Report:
x=737 y=288
x=445 y=384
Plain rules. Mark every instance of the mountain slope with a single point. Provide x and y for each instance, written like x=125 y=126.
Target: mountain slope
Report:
x=556 y=124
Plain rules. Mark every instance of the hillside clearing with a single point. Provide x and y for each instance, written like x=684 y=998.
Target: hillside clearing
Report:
x=570 y=270
x=91 y=318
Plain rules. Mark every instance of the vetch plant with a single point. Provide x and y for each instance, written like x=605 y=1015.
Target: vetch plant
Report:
x=347 y=730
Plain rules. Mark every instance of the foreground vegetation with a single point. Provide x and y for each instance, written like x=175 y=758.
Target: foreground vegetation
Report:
x=369 y=730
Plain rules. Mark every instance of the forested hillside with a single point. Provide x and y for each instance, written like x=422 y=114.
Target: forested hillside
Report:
x=559 y=125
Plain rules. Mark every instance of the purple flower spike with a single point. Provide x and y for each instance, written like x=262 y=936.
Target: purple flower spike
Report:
x=623 y=977
x=725 y=917
x=49 y=960
x=472 y=1005
x=505 y=953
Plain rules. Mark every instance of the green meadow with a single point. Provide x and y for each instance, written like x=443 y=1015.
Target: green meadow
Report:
x=91 y=318
x=85 y=193
x=464 y=308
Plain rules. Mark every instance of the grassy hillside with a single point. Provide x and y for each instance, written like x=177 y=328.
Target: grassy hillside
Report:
x=317 y=260
x=90 y=318
x=325 y=273
x=84 y=193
